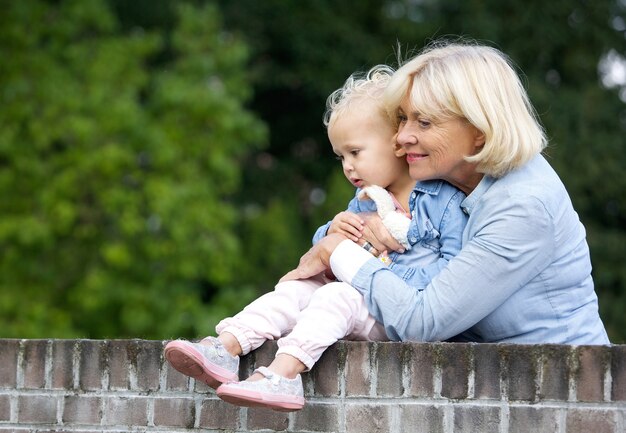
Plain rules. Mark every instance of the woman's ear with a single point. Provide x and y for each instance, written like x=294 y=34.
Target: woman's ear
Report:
x=479 y=138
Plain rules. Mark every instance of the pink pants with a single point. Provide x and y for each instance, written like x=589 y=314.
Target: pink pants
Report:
x=307 y=316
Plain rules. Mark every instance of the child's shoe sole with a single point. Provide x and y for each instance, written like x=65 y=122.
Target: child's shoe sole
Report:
x=187 y=360
x=249 y=398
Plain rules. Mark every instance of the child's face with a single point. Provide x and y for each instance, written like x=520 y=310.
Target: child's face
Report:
x=363 y=140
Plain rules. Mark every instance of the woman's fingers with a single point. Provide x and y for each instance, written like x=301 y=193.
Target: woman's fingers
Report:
x=377 y=234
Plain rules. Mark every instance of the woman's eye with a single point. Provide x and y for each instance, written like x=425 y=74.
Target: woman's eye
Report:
x=424 y=123
x=401 y=118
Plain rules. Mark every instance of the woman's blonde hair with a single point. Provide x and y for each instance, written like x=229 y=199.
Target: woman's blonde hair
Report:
x=477 y=83
x=359 y=86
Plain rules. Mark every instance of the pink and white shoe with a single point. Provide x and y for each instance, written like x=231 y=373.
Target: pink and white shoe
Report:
x=212 y=365
x=273 y=392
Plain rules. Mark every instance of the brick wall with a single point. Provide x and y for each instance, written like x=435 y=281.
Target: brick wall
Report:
x=124 y=385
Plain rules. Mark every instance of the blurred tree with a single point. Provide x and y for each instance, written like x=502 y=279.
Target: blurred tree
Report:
x=119 y=156
x=132 y=171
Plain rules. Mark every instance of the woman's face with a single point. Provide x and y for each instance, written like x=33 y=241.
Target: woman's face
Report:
x=437 y=150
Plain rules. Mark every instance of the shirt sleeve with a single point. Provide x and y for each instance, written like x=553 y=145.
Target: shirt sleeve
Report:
x=511 y=241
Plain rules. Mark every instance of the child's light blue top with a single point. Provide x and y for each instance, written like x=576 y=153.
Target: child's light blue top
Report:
x=435 y=232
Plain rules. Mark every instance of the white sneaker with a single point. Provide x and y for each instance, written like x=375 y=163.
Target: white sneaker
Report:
x=212 y=365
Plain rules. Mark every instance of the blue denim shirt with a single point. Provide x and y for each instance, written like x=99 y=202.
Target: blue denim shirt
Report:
x=523 y=274
x=437 y=223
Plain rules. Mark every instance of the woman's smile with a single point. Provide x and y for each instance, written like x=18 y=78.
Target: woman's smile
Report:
x=415 y=157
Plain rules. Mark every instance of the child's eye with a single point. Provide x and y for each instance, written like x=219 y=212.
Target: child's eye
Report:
x=339 y=157
x=354 y=152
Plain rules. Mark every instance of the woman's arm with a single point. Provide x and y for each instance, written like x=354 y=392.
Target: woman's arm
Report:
x=510 y=243
x=317 y=259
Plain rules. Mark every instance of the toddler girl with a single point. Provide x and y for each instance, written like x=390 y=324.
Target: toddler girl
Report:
x=308 y=316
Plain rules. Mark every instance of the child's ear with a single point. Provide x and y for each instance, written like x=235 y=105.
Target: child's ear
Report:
x=398 y=150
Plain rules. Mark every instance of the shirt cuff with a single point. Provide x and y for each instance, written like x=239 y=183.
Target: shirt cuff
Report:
x=347 y=259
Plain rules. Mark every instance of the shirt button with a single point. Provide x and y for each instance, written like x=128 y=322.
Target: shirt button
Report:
x=465 y=211
x=413 y=240
x=413 y=194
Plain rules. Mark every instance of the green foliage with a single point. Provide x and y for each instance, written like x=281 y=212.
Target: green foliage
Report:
x=117 y=178
x=139 y=199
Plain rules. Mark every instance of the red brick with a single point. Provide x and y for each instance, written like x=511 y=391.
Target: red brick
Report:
x=82 y=410
x=590 y=369
x=117 y=353
x=454 y=360
x=264 y=355
x=5 y=408
x=520 y=370
x=216 y=414
x=526 y=419
x=318 y=417
x=174 y=412
x=37 y=409
x=484 y=419
x=62 y=364
x=368 y=418
x=420 y=358
x=618 y=372
x=486 y=371
x=148 y=365
x=92 y=364
x=421 y=418
x=357 y=369
x=267 y=419
x=389 y=357
x=555 y=374
x=590 y=420
x=8 y=360
x=127 y=411
x=202 y=388
x=175 y=381
x=34 y=363
x=326 y=373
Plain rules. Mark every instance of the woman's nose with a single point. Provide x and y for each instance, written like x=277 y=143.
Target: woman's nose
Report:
x=406 y=137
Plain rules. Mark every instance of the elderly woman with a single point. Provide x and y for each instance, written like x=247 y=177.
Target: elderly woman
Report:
x=524 y=272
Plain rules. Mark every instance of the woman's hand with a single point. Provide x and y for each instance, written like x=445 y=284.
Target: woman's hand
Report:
x=317 y=259
x=375 y=232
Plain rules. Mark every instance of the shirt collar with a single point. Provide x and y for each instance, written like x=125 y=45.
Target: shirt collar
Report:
x=431 y=187
x=470 y=201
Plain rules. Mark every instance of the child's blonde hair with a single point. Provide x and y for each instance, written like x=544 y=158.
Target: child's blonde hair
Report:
x=358 y=86
x=479 y=84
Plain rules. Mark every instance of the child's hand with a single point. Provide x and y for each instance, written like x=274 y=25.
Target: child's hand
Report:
x=348 y=224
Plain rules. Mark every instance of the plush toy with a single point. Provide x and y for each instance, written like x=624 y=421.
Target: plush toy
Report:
x=394 y=221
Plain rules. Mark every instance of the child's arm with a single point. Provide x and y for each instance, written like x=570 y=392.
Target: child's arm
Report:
x=347 y=222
